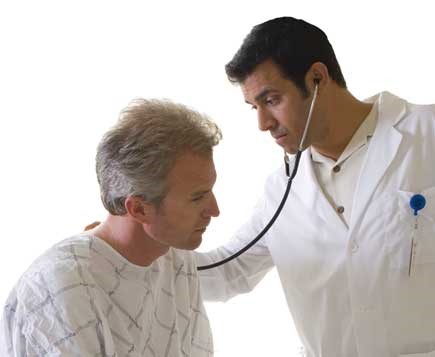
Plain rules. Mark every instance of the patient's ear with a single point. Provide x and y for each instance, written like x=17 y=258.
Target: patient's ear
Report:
x=140 y=210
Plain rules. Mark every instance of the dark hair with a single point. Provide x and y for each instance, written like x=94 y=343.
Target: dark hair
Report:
x=293 y=44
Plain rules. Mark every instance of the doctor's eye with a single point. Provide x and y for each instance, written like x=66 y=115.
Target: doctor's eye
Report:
x=272 y=100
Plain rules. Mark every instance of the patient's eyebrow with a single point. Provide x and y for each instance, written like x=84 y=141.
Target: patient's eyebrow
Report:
x=199 y=193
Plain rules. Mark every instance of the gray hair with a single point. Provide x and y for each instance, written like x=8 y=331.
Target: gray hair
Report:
x=135 y=156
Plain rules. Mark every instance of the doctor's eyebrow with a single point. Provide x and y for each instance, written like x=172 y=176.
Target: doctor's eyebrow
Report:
x=264 y=93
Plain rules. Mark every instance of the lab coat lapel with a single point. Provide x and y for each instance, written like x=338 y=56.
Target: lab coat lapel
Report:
x=311 y=194
x=381 y=152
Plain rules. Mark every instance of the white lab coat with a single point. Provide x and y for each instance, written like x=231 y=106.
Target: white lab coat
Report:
x=348 y=289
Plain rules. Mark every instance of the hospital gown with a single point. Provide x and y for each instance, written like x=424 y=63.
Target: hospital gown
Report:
x=82 y=298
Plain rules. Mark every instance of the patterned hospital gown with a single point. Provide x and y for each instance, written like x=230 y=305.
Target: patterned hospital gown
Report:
x=82 y=298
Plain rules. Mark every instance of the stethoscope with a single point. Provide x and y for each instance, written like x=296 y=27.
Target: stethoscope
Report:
x=286 y=193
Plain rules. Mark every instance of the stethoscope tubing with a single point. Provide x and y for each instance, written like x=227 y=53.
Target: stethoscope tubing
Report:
x=284 y=198
x=267 y=227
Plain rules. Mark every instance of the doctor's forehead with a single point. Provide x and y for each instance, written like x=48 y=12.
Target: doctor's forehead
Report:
x=265 y=78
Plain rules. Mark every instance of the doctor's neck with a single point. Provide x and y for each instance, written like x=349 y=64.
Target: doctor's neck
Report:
x=343 y=115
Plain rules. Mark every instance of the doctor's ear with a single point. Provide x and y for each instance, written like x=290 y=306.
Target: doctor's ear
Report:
x=317 y=75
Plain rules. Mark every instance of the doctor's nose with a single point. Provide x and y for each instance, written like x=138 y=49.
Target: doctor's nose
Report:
x=266 y=121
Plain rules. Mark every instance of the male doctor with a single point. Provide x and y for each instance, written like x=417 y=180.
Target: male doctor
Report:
x=356 y=262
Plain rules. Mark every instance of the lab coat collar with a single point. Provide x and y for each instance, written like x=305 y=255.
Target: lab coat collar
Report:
x=391 y=109
x=381 y=152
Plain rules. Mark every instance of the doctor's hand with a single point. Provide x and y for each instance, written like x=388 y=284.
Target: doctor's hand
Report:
x=92 y=225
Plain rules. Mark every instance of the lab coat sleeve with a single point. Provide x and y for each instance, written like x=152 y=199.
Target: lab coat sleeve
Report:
x=242 y=274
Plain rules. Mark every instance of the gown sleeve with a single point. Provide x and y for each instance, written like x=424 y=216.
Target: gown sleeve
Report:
x=38 y=322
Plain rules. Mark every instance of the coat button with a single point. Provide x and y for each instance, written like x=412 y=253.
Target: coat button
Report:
x=354 y=247
x=336 y=168
x=340 y=209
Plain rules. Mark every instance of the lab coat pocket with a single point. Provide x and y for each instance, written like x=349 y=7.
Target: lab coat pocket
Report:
x=400 y=230
x=410 y=293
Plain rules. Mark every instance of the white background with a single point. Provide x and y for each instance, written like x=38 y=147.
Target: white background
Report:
x=68 y=67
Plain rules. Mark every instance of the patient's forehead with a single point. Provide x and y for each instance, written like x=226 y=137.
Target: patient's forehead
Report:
x=192 y=171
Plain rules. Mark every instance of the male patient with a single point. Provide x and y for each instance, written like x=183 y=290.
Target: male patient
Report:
x=129 y=286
